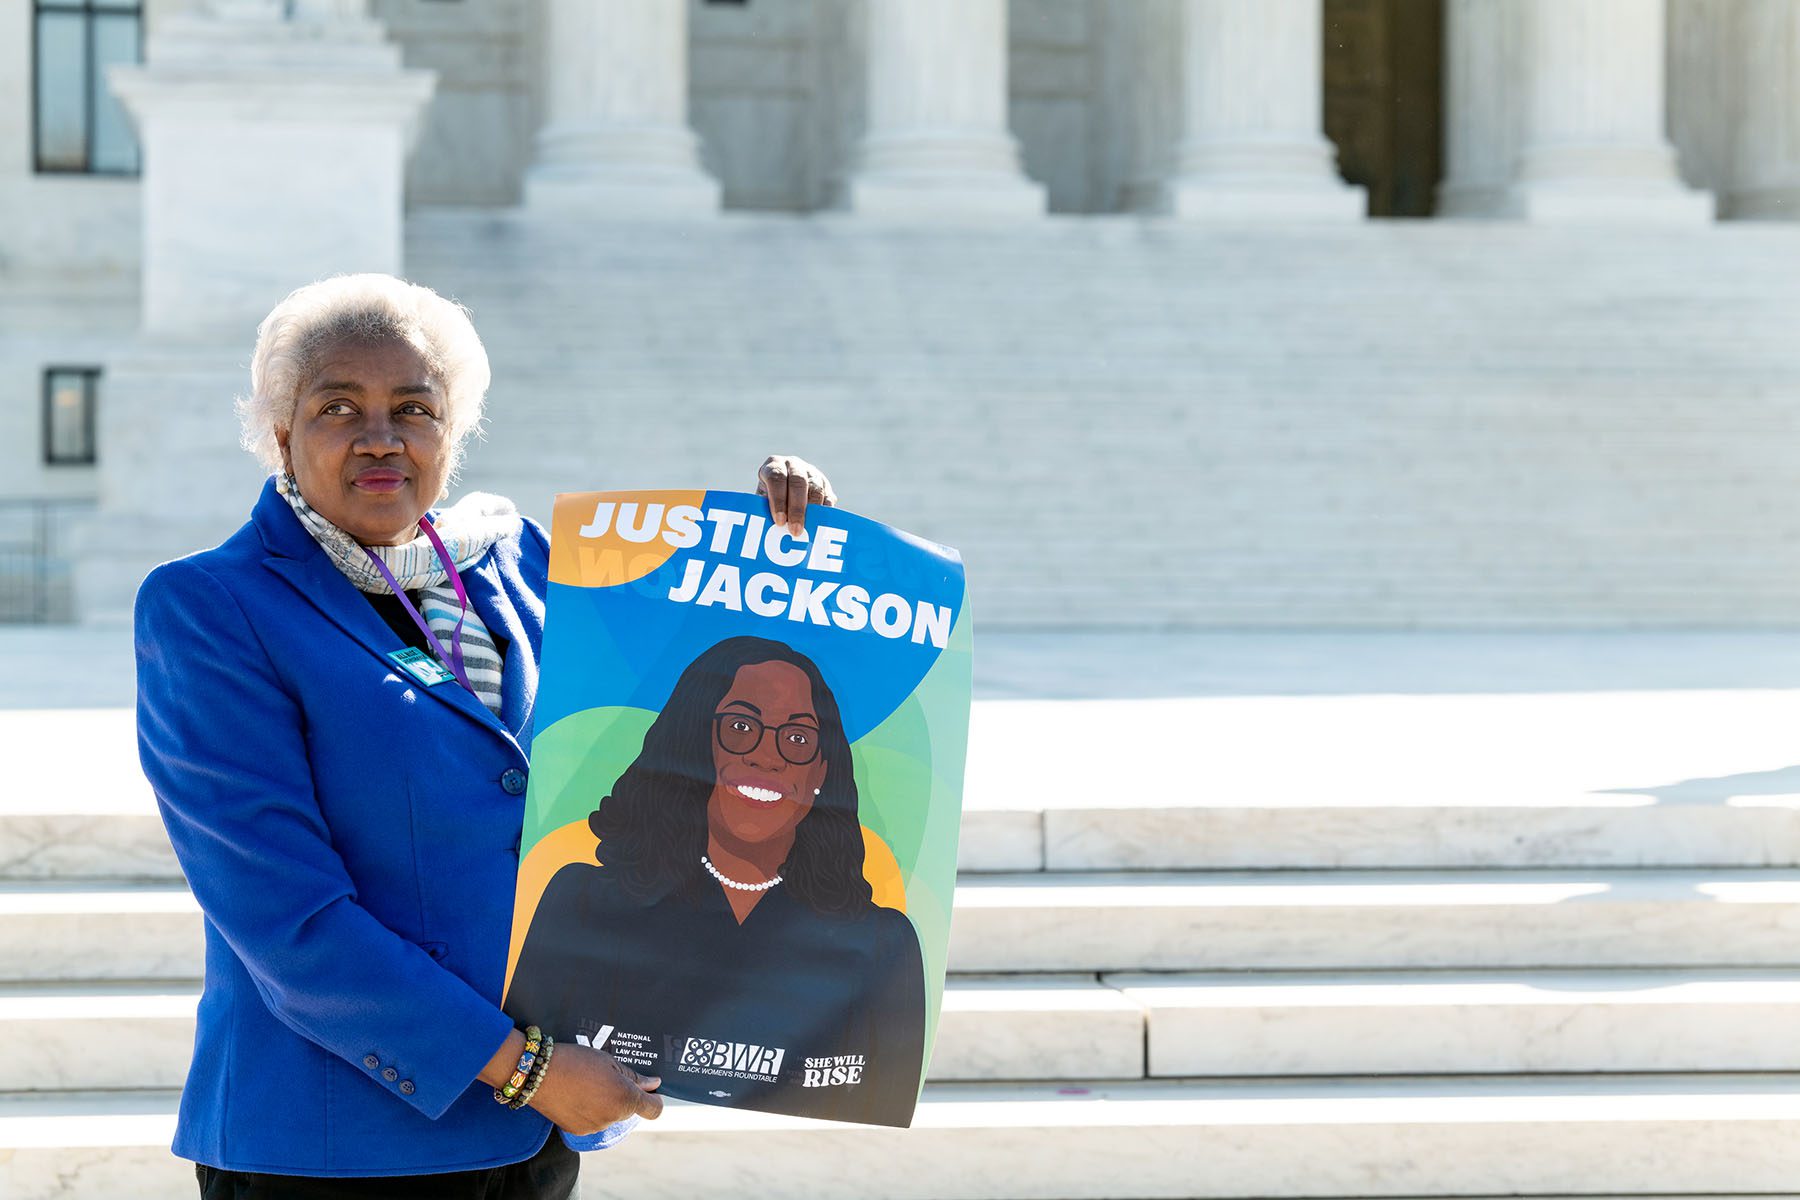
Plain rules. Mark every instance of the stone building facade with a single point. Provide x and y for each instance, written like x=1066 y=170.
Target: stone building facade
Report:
x=1145 y=235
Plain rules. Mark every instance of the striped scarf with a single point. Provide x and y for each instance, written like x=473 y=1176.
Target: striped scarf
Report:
x=469 y=528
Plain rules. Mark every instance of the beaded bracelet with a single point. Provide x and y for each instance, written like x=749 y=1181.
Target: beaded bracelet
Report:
x=534 y=1040
x=537 y=1075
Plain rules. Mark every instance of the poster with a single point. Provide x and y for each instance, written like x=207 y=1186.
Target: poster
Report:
x=739 y=851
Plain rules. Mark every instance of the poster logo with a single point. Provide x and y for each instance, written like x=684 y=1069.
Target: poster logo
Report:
x=708 y=1057
x=840 y=1070
x=595 y=1040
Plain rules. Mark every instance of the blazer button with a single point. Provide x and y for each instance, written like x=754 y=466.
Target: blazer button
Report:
x=371 y=1062
x=512 y=781
x=407 y=1088
x=389 y=1074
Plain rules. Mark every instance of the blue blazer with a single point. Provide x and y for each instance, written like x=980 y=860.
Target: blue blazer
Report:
x=352 y=838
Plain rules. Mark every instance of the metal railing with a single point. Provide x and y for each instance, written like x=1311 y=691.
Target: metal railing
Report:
x=37 y=559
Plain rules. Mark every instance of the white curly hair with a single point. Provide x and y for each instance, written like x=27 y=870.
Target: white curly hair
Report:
x=363 y=308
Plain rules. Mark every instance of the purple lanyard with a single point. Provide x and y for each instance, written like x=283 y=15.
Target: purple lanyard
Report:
x=454 y=659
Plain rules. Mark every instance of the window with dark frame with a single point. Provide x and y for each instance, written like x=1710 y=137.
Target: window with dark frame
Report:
x=78 y=126
x=70 y=396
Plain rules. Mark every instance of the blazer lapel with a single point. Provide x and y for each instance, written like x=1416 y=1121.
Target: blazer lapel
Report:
x=300 y=561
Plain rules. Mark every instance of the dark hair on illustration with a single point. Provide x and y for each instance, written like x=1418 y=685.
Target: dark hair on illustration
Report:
x=652 y=827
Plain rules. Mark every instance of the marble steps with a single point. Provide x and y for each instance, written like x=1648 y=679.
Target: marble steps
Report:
x=1360 y=920
x=1442 y=1137
x=1273 y=369
x=68 y=843
x=131 y=1034
x=597 y=260
x=120 y=837
x=1123 y=921
x=1466 y=1022
x=1301 y=830
x=1366 y=800
x=57 y=1037
x=54 y=930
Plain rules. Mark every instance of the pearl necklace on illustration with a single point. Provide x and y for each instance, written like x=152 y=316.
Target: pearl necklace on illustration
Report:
x=732 y=883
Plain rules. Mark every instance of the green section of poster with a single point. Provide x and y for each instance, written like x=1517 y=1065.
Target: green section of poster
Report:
x=740 y=841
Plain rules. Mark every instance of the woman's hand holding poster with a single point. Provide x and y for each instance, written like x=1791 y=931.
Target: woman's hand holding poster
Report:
x=740 y=837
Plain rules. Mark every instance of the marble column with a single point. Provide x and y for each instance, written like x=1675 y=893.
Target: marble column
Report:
x=275 y=150
x=1483 y=93
x=1705 y=63
x=1253 y=146
x=937 y=143
x=1595 y=144
x=274 y=140
x=1141 y=57
x=1765 y=159
x=615 y=139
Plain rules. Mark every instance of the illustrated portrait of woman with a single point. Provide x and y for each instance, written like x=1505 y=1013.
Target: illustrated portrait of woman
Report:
x=727 y=925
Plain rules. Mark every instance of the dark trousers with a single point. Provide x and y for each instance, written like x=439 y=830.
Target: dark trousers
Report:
x=548 y=1175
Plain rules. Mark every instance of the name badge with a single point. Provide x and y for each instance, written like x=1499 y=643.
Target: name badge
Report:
x=421 y=666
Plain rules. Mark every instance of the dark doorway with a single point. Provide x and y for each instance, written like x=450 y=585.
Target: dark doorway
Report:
x=1384 y=99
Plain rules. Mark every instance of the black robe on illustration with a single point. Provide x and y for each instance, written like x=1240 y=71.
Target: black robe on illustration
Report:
x=794 y=1011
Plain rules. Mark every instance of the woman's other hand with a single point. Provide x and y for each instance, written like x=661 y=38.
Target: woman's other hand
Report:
x=791 y=484
x=585 y=1090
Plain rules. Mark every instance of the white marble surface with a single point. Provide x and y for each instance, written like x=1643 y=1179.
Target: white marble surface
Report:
x=85 y=845
x=78 y=805
x=1468 y=1022
x=51 y=931
x=99 y=1172
x=63 y=1037
x=91 y=1146
x=1011 y=1027
x=1665 y=1135
x=1610 y=749
x=1360 y=831
x=1312 y=1138
x=998 y=839
x=1370 y=919
x=1595 y=762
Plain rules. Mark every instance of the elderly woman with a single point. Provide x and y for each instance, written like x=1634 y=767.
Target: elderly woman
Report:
x=334 y=710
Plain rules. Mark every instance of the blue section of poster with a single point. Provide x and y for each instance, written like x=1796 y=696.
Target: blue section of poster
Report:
x=864 y=601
